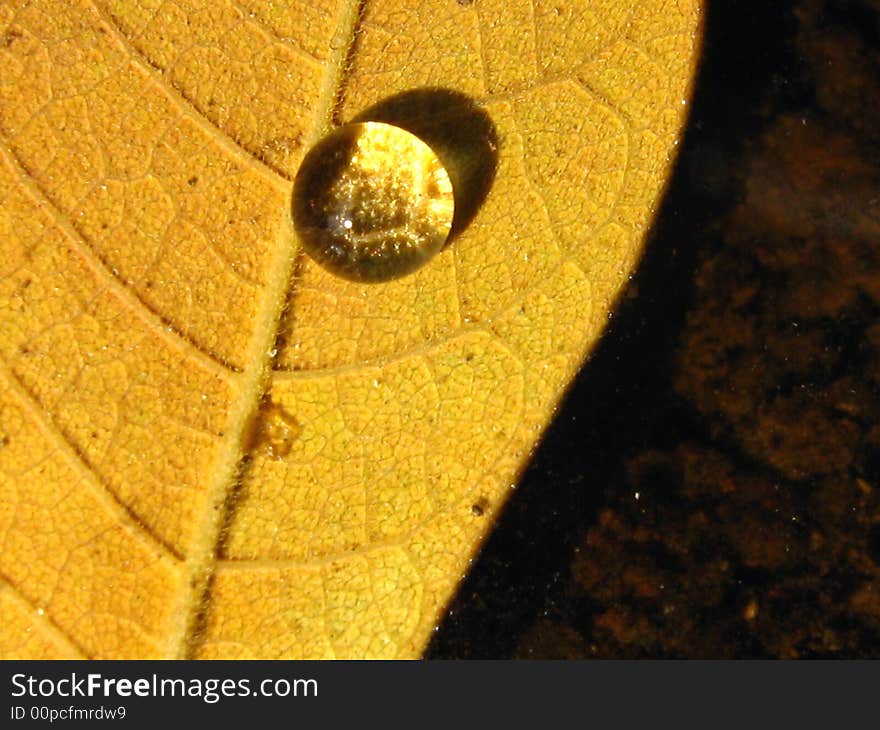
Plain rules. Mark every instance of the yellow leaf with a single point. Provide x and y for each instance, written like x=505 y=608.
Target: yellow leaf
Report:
x=170 y=485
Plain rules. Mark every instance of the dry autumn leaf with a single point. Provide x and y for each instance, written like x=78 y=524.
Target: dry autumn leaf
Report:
x=176 y=479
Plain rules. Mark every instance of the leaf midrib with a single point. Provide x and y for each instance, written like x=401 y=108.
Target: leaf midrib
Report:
x=194 y=591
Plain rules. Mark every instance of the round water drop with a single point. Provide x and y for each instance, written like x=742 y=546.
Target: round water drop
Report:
x=372 y=202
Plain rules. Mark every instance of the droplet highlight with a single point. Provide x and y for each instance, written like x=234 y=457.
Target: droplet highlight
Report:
x=372 y=202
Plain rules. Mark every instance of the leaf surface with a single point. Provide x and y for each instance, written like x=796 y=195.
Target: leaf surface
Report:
x=210 y=447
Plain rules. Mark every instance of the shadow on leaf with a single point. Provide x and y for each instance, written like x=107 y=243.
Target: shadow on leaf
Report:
x=460 y=133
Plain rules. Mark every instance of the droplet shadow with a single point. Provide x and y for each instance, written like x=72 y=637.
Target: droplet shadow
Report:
x=459 y=131
x=622 y=399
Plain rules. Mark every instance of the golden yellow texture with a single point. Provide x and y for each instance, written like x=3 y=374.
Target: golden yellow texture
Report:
x=148 y=266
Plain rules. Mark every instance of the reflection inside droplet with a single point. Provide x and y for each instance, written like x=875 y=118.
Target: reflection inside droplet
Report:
x=372 y=202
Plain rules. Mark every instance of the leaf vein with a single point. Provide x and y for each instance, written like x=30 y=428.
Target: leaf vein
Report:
x=155 y=323
x=80 y=465
x=53 y=629
x=257 y=375
x=188 y=107
x=256 y=21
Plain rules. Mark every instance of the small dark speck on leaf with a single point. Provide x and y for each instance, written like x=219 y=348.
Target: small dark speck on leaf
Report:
x=478 y=508
x=9 y=37
x=193 y=181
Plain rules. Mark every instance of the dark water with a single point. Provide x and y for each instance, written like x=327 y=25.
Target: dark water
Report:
x=711 y=484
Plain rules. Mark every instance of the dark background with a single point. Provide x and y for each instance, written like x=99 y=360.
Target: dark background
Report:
x=710 y=486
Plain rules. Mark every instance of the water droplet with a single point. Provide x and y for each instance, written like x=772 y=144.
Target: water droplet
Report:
x=276 y=432
x=372 y=202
